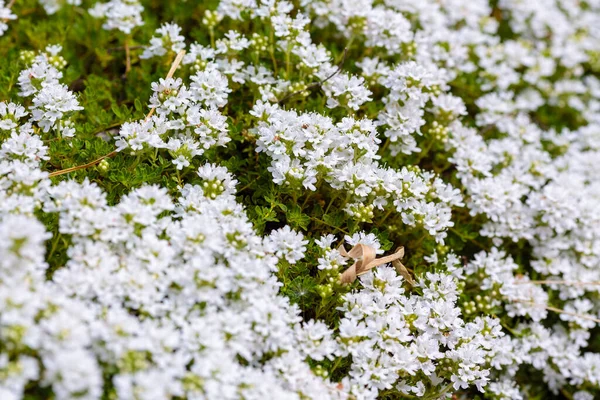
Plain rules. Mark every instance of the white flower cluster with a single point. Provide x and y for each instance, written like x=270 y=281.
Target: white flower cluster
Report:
x=285 y=243
x=531 y=183
x=177 y=297
x=341 y=88
x=309 y=148
x=411 y=87
x=52 y=6
x=558 y=353
x=124 y=15
x=5 y=15
x=169 y=40
x=188 y=121
x=413 y=342
x=53 y=102
x=516 y=180
x=537 y=184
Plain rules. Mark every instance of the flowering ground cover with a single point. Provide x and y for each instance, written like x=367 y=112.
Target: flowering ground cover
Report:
x=307 y=199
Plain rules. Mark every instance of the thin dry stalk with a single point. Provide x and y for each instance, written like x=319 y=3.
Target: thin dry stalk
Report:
x=127 y=59
x=174 y=66
x=559 y=310
x=558 y=282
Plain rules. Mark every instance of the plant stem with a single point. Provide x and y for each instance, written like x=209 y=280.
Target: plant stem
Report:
x=385 y=145
x=211 y=32
x=174 y=66
x=329 y=225
x=336 y=364
x=272 y=51
x=288 y=63
x=386 y=215
x=54 y=245
x=331 y=202
x=84 y=166
x=306 y=200
x=127 y=58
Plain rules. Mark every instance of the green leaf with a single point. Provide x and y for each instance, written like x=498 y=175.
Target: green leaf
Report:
x=115 y=109
x=296 y=218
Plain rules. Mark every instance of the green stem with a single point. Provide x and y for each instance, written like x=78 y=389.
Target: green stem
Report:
x=178 y=177
x=272 y=50
x=566 y=394
x=424 y=153
x=211 y=31
x=306 y=200
x=385 y=145
x=350 y=41
x=54 y=245
x=386 y=215
x=329 y=225
x=512 y=332
x=288 y=63
x=245 y=187
x=256 y=58
x=331 y=202
x=335 y=365
x=348 y=194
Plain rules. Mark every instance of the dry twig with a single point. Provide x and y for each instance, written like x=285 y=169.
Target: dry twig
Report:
x=558 y=282
x=559 y=310
x=174 y=66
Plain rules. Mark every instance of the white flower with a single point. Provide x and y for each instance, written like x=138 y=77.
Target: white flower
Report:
x=52 y=6
x=51 y=104
x=169 y=39
x=5 y=15
x=124 y=15
x=10 y=114
x=287 y=244
x=138 y=135
x=39 y=75
x=210 y=87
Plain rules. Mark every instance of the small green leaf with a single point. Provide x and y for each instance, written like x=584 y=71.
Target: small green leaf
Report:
x=115 y=109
